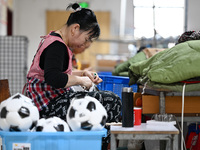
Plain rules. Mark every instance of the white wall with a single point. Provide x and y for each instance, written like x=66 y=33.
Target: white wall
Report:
x=193 y=22
x=3 y=17
x=29 y=17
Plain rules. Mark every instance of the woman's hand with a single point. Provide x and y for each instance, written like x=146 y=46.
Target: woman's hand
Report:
x=84 y=78
x=85 y=82
x=94 y=77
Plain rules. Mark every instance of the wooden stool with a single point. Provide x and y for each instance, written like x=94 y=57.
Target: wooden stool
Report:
x=4 y=90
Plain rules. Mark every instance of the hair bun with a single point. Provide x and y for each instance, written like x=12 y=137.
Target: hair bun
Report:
x=76 y=7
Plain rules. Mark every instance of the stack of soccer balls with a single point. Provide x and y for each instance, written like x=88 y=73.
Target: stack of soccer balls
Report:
x=18 y=113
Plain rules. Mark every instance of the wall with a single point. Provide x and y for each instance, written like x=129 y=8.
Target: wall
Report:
x=5 y=5
x=3 y=17
x=193 y=15
x=29 y=17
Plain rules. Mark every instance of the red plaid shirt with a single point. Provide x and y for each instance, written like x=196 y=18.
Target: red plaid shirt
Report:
x=41 y=93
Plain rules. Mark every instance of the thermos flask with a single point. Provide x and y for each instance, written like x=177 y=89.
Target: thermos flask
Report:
x=127 y=107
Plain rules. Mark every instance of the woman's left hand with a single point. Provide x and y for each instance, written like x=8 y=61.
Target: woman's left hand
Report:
x=94 y=77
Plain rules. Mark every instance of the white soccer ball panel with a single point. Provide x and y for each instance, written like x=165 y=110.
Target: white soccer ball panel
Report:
x=34 y=115
x=25 y=124
x=95 y=118
x=3 y=104
x=14 y=105
x=82 y=115
x=4 y=125
x=75 y=125
x=13 y=118
x=79 y=103
x=97 y=127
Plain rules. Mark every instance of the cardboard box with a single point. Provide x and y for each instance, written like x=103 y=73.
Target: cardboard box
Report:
x=173 y=104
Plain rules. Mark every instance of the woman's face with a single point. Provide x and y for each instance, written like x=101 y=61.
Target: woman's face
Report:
x=80 y=41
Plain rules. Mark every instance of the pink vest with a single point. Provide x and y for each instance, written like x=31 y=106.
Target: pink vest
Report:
x=36 y=88
x=35 y=71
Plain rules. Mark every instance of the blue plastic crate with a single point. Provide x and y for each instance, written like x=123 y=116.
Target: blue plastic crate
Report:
x=90 y=140
x=115 y=84
x=105 y=73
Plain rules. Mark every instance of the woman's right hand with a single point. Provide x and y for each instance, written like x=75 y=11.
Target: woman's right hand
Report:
x=86 y=83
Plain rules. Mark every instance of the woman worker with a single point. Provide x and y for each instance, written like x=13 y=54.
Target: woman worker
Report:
x=50 y=76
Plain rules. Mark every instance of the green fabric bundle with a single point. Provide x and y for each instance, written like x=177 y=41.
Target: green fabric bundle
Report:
x=122 y=69
x=167 y=68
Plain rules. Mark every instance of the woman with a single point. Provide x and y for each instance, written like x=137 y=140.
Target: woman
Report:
x=50 y=76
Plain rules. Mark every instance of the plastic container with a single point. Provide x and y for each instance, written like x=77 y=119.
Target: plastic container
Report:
x=137 y=115
x=90 y=140
x=105 y=73
x=115 y=84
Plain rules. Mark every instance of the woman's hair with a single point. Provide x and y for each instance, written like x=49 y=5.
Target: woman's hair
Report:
x=85 y=18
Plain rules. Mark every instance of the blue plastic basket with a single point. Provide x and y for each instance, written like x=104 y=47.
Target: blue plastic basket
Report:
x=90 y=140
x=115 y=84
x=105 y=73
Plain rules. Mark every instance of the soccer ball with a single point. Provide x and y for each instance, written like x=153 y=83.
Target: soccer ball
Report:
x=18 y=113
x=86 y=113
x=52 y=124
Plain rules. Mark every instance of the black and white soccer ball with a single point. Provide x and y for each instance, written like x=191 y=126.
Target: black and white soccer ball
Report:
x=51 y=124
x=18 y=113
x=85 y=114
